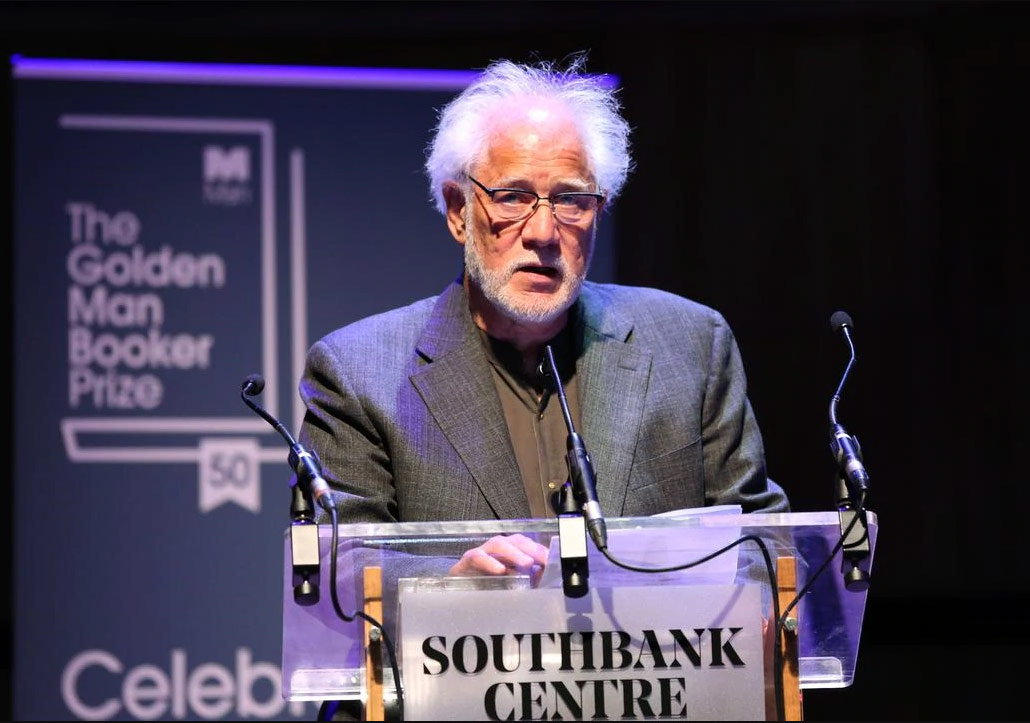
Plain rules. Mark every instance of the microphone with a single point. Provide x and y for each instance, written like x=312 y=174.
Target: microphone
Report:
x=845 y=447
x=852 y=480
x=304 y=463
x=304 y=543
x=581 y=469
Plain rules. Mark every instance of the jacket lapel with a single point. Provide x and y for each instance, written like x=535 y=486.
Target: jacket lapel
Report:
x=612 y=378
x=457 y=388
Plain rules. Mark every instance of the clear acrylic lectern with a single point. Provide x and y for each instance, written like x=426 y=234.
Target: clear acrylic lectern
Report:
x=648 y=638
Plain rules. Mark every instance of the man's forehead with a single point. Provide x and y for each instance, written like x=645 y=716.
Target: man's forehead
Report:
x=528 y=133
x=531 y=114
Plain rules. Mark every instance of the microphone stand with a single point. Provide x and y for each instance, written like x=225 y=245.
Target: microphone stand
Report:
x=304 y=546
x=850 y=500
x=580 y=511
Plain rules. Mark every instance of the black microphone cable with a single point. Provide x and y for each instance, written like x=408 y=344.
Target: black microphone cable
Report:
x=308 y=469
x=387 y=643
x=819 y=571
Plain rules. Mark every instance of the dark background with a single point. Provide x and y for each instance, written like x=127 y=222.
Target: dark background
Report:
x=792 y=159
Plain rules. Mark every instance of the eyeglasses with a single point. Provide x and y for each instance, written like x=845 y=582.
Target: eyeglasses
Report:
x=515 y=204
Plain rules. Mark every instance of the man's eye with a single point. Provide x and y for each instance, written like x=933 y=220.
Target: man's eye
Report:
x=578 y=201
x=513 y=198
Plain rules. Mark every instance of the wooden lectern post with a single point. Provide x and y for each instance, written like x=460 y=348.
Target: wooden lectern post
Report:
x=786 y=584
x=375 y=706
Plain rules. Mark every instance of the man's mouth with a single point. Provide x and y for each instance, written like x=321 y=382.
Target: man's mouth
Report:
x=547 y=271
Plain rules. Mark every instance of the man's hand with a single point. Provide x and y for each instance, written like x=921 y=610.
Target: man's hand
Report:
x=503 y=555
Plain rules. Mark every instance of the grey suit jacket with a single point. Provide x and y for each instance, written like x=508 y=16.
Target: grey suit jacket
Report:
x=402 y=411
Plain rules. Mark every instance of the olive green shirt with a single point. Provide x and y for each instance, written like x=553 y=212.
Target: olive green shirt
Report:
x=535 y=420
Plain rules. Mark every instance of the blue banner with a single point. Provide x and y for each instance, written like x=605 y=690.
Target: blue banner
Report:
x=178 y=227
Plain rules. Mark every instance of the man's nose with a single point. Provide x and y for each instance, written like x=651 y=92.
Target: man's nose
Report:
x=541 y=227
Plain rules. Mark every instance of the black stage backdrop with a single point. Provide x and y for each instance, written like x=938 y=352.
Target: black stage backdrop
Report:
x=792 y=159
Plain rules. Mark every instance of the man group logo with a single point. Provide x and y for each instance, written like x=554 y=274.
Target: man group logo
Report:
x=227 y=175
x=222 y=164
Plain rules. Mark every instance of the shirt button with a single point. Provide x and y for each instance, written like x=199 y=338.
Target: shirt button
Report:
x=551 y=485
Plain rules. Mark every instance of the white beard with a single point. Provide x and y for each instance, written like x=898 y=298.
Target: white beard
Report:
x=524 y=308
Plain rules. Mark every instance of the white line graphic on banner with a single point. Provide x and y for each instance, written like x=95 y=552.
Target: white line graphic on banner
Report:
x=299 y=270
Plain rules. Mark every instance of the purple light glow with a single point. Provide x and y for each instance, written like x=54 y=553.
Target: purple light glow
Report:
x=239 y=74
x=246 y=74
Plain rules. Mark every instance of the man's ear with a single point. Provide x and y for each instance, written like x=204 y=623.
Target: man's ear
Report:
x=454 y=197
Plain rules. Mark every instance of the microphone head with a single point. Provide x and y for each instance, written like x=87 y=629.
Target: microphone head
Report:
x=542 y=370
x=839 y=320
x=253 y=384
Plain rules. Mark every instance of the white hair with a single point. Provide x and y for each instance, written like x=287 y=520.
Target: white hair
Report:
x=463 y=128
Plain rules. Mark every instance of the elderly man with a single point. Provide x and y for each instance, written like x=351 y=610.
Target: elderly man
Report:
x=437 y=411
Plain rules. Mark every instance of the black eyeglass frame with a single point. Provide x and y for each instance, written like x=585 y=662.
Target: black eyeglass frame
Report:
x=550 y=199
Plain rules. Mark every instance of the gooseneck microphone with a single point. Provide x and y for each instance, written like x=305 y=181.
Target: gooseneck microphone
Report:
x=305 y=464
x=845 y=448
x=581 y=469
x=852 y=479
x=305 y=549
